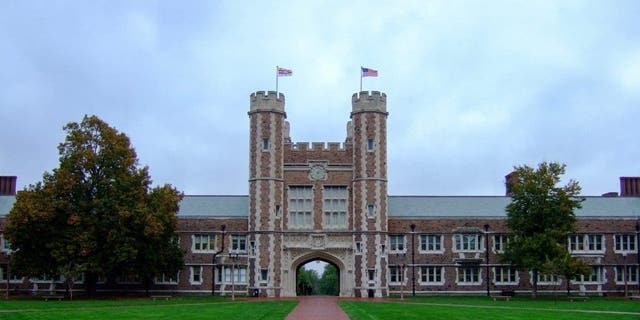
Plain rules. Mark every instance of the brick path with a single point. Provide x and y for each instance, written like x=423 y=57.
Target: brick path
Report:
x=316 y=308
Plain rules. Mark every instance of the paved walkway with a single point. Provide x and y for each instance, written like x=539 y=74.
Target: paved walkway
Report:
x=317 y=308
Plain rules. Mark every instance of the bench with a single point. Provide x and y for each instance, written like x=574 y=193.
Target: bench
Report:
x=637 y=298
x=577 y=298
x=505 y=298
x=46 y=298
x=154 y=298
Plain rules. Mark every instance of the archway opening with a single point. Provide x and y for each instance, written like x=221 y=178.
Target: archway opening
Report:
x=317 y=277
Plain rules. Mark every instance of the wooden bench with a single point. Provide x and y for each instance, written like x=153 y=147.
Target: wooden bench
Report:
x=154 y=298
x=577 y=298
x=637 y=298
x=505 y=298
x=46 y=298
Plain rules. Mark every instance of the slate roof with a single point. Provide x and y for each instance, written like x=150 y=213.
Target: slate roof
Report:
x=404 y=206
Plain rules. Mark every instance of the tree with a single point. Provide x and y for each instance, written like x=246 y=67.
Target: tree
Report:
x=329 y=283
x=96 y=214
x=306 y=282
x=540 y=216
x=568 y=267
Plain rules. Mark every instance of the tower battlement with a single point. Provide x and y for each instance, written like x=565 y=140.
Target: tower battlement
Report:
x=266 y=101
x=369 y=101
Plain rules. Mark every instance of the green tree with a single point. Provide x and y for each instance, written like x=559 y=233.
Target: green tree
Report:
x=95 y=214
x=306 y=282
x=567 y=266
x=329 y=283
x=540 y=216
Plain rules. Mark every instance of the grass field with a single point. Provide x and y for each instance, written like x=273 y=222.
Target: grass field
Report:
x=480 y=308
x=438 y=307
x=176 y=308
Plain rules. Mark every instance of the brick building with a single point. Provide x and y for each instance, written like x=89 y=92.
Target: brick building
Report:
x=328 y=201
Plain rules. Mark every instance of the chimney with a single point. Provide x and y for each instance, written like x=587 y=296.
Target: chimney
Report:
x=8 y=185
x=629 y=186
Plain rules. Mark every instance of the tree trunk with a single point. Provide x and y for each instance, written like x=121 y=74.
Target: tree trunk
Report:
x=568 y=286
x=90 y=284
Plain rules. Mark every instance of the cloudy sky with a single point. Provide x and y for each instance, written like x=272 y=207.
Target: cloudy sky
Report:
x=473 y=88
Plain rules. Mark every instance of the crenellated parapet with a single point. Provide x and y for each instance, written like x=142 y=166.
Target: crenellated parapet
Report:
x=266 y=101
x=369 y=101
x=302 y=152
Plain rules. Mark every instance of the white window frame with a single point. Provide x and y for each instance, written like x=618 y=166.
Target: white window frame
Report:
x=599 y=272
x=625 y=243
x=192 y=274
x=465 y=272
x=500 y=273
x=6 y=245
x=163 y=279
x=462 y=240
x=197 y=239
x=499 y=241
x=582 y=243
x=371 y=210
x=3 y=276
x=266 y=144
x=238 y=244
x=300 y=207
x=546 y=279
x=394 y=272
x=358 y=247
x=393 y=245
x=632 y=274
x=262 y=273
x=426 y=243
x=239 y=273
x=335 y=205
x=425 y=272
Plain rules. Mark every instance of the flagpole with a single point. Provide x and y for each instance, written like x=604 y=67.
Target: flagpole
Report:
x=276 y=82
x=360 y=79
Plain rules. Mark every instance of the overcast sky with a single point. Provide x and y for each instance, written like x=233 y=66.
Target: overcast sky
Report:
x=473 y=87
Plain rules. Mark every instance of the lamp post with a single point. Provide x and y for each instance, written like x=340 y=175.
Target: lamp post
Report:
x=413 y=260
x=213 y=262
x=638 y=252
x=486 y=255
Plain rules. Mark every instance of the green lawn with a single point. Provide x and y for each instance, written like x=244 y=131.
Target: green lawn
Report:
x=480 y=308
x=177 y=308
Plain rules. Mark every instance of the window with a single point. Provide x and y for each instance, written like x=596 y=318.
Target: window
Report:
x=467 y=242
x=238 y=243
x=505 y=275
x=369 y=144
x=128 y=279
x=335 y=207
x=499 y=242
x=203 y=243
x=6 y=245
x=252 y=248
x=631 y=274
x=431 y=243
x=300 y=207
x=277 y=210
x=396 y=275
x=624 y=243
x=596 y=276
x=586 y=243
x=548 y=279
x=237 y=273
x=371 y=211
x=167 y=279
x=358 y=247
x=396 y=243
x=196 y=275
x=264 y=275
x=432 y=275
x=265 y=144
x=372 y=275
x=469 y=275
x=3 y=275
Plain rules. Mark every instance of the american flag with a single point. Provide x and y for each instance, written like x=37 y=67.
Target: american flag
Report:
x=368 y=72
x=282 y=72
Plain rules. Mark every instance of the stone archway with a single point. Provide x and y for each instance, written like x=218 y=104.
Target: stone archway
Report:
x=345 y=274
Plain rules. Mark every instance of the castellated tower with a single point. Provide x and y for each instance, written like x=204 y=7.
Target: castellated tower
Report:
x=268 y=129
x=368 y=131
